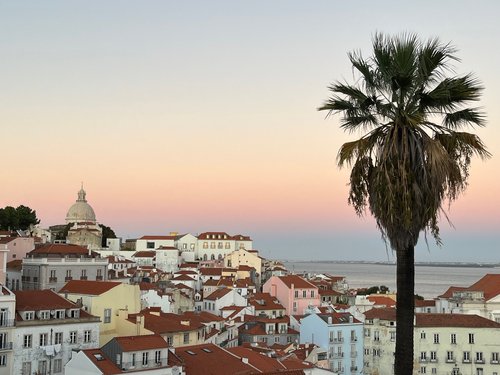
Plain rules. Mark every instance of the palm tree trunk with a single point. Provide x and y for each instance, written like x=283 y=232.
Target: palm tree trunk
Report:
x=405 y=308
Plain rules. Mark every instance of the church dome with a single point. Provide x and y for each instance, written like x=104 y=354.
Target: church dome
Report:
x=81 y=211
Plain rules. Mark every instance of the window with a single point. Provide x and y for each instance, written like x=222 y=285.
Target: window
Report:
x=186 y=338
x=312 y=293
x=60 y=314
x=494 y=357
x=52 y=274
x=212 y=245
x=72 y=337
x=434 y=370
x=150 y=245
x=43 y=339
x=99 y=273
x=145 y=358
x=304 y=294
x=158 y=356
x=68 y=274
x=471 y=338
x=479 y=371
x=27 y=341
x=86 y=336
x=433 y=356
x=212 y=257
x=169 y=340
x=423 y=370
x=277 y=339
x=42 y=367
x=107 y=315
x=205 y=245
x=228 y=245
x=449 y=356
x=44 y=315
x=26 y=369
x=58 y=338
x=84 y=275
x=376 y=336
x=3 y=360
x=30 y=315
x=453 y=338
x=58 y=365
x=132 y=362
x=422 y=336
x=479 y=357
x=220 y=245
x=393 y=335
x=436 y=338
x=423 y=356
x=466 y=357
x=289 y=339
x=184 y=246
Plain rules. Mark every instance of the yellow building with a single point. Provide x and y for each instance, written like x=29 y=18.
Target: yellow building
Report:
x=248 y=258
x=105 y=299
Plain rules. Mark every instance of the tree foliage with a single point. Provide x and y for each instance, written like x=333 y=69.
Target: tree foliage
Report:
x=20 y=217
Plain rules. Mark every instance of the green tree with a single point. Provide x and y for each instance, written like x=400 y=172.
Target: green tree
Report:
x=107 y=232
x=17 y=218
x=413 y=155
x=26 y=217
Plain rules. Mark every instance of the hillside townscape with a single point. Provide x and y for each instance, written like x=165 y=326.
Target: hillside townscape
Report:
x=211 y=304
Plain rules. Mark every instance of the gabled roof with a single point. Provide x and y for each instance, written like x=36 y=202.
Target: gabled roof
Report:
x=216 y=294
x=489 y=284
x=382 y=300
x=210 y=359
x=297 y=281
x=16 y=264
x=258 y=360
x=6 y=240
x=88 y=287
x=34 y=300
x=183 y=278
x=449 y=292
x=454 y=320
x=264 y=301
x=104 y=364
x=382 y=313
x=202 y=316
x=146 y=342
x=338 y=318
x=165 y=323
x=210 y=271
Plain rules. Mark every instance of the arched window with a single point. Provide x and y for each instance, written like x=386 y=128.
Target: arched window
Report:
x=220 y=256
x=204 y=256
x=212 y=257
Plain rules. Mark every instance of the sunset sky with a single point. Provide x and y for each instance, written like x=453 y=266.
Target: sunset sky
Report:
x=196 y=116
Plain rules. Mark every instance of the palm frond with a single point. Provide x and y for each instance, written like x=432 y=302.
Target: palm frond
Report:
x=464 y=117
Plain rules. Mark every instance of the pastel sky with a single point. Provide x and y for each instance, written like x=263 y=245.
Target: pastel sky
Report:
x=196 y=116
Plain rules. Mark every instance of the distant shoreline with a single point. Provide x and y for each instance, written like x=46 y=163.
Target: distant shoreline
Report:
x=417 y=264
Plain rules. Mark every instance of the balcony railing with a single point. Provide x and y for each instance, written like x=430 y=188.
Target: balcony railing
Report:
x=433 y=360
x=52 y=279
x=68 y=278
x=479 y=360
x=338 y=339
x=5 y=346
x=98 y=277
x=83 y=277
x=354 y=339
x=451 y=360
x=423 y=360
x=354 y=368
x=337 y=355
x=494 y=362
x=129 y=366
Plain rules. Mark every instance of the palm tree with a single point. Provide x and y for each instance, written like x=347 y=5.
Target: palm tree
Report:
x=413 y=155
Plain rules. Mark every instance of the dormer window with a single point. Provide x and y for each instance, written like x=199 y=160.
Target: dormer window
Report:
x=29 y=315
x=60 y=314
x=74 y=313
x=44 y=315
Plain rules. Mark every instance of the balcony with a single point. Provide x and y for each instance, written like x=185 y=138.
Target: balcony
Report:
x=494 y=362
x=433 y=360
x=138 y=365
x=354 y=339
x=5 y=346
x=7 y=322
x=83 y=277
x=338 y=340
x=423 y=360
x=481 y=361
x=68 y=278
x=337 y=355
x=451 y=360
x=52 y=279
x=354 y=368
x=465 y=360
x=98 y=278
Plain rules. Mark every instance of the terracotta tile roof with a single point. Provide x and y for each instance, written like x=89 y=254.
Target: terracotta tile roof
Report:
x=16 y=264
x=454 y=320
x=264 y=301
x=382 y=313
x=244 y=267
x=328 y=292
x=297 y=281
x=183 y=278
x=158 y=238
x=211 y=271
x=202 y=316
x=62 y=249
x=144 y=254
x=186 y=272
x=210 y=359
x=114 y=259
x=244 y=283
x=261 y=361
x=449 y=292
x=146 y=342
x=339 y=318
x=33 y=300
x=296 y=364
x=382 y=300
x=104 y=364
x=216 y=294
x=425 y=303
x=147 y=286
x=93 y=288
x=6 y=240
x=183 y=286
x=164 y=323
x=211 y=282
x=489 y=284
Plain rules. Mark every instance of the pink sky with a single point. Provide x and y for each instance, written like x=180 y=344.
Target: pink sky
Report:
x=204 y=118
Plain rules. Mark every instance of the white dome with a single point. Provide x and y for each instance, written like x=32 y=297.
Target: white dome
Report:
x=81 y=211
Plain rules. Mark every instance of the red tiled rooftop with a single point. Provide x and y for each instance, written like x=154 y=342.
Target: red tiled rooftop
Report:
x=382 y=300
x=216 y=294
x=88 y=287
x=209 y=359
x=64 y=249
x=489 y=284
x=454 y=320
x=33 y=300
x=260 y=361
x=144 y=254
x=297 y=281
x=382 y=313
x=449 y=292
x=136 y=343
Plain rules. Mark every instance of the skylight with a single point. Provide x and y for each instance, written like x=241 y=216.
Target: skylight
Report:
x=190 y=352
x=206 y=350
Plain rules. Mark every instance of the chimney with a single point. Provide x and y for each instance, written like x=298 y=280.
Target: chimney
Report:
x=351 y=320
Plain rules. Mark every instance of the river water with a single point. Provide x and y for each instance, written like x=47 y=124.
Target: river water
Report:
x=430 y=281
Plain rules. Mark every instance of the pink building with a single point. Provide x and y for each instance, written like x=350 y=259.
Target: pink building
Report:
x=17 y=247
x=294 y=292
